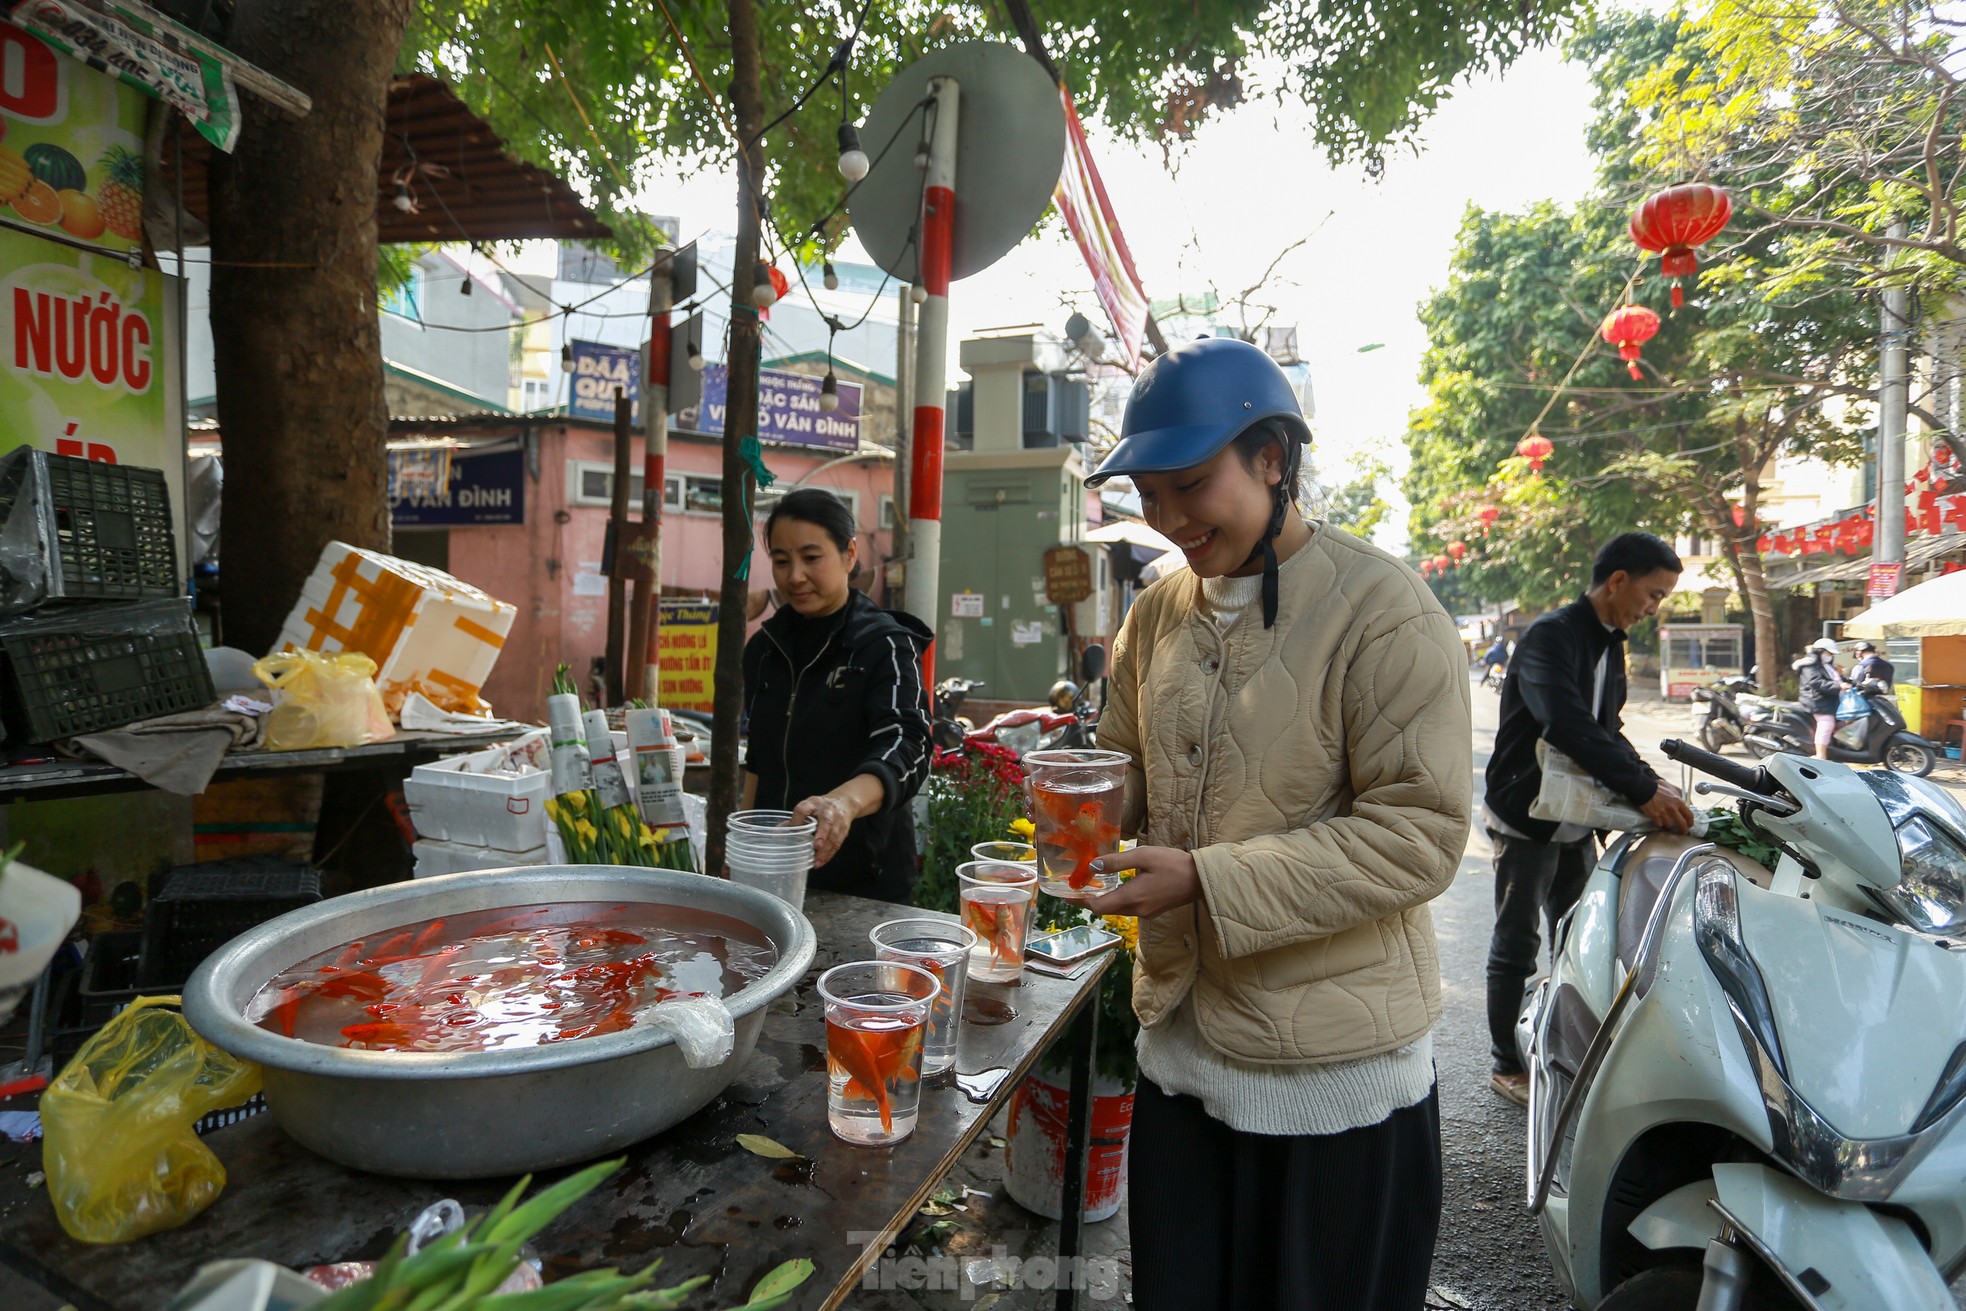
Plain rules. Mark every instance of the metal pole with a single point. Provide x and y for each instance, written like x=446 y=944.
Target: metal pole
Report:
x=617 y=529
x=938 y=233
x=1894 y=329
x=645 y=625
x=904 y=408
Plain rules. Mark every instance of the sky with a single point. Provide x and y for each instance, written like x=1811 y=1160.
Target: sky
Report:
x=1249 y=185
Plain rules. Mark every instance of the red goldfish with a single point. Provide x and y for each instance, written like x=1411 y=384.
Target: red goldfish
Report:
x=1079 y=831
x=995 y=922
x=874 y=1059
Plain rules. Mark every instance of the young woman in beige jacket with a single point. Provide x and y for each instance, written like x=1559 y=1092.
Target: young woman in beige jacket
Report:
x=1296 y=705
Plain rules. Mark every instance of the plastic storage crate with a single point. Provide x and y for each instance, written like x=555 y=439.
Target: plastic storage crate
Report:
x=97 y=532
x=203 y=907
x=84 y=670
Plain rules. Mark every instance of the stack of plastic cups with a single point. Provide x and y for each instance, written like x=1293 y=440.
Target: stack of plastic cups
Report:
x=772 y=851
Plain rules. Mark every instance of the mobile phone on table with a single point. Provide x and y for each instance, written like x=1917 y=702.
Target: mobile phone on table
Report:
x=1073 y=944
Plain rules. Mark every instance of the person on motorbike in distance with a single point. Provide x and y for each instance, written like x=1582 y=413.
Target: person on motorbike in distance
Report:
x=1819 y=687
x=1871 y=665
x=839 y=727
x=1296 y=705
x=1496 y=655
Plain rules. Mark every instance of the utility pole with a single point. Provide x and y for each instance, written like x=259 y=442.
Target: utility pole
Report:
x=904 y=411
x=618 y=534
x=645 y=619
x=938 y=239
x=740 y=424
x=1893 y=382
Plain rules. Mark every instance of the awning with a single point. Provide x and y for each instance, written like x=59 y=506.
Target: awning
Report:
x=1131 y=533
x=465 y=186
x=1934 y=608
x=1918 y=552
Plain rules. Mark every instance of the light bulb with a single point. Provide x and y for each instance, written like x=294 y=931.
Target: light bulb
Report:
x=763 y=294
x=853 y=160
x=696 y=357
x=465 y=289
x=921 y=159
x=404 y=201
x=566 y=359
x=830 y=276
x=918 y=294
x=829 y=393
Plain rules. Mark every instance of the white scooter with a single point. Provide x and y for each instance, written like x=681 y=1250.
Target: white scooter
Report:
x=1746 y=1088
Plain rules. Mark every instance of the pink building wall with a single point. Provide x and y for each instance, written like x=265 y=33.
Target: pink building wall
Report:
x=548 y=567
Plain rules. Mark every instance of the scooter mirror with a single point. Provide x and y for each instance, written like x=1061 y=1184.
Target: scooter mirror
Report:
x=1092 y=664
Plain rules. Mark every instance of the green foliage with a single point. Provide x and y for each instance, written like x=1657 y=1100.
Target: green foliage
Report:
x=1359 y=504
x=1367 y=75
x=1727 y=829
x=973 y=795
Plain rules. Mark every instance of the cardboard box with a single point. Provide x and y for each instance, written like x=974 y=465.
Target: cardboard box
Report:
x=426 y=631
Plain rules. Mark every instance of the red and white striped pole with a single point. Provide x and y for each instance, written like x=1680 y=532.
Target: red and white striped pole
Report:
x=937 y=246
x=655 y=459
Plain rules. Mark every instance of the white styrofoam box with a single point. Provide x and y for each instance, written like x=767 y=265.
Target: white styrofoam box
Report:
x=426 y=631
x=434 y=857
x=452 y=802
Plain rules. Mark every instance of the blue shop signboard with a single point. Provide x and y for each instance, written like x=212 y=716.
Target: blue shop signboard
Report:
x=598 y=372
x=788 y=410
x=481 y=489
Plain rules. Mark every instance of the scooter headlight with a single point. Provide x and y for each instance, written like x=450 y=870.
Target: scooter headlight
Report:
x=1717 y=930
x=1931 y=891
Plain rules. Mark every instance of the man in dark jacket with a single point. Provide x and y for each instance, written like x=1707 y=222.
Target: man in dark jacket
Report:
x=1872 y=665
x=1566 y=686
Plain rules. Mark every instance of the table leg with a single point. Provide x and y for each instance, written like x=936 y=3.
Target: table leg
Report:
x=1078 y=1127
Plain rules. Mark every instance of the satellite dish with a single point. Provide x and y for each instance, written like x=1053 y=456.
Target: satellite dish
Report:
x=1010 y=150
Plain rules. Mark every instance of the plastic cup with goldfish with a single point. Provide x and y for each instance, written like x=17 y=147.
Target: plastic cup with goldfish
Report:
x=1076 y=801
x=877 y=1016
x=942 y=948
x=997 y=900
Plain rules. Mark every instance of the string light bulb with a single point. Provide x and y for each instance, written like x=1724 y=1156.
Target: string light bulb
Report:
x=763 y=294
x=853 y=160
x=566 y=359
x=696 y=357
x=918 y=294
x=829 y=275
x=921 y=159
x=465 y=289
x=829 y=393
x=404 y=201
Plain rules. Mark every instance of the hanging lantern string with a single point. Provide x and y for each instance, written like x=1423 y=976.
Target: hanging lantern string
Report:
x=1623 y=297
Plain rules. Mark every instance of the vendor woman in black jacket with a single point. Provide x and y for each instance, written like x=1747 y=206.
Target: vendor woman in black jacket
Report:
x=833 y=692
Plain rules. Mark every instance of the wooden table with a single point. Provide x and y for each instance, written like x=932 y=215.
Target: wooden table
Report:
x=690 y=1196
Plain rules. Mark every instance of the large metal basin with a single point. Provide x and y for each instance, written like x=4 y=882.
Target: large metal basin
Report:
x=469 y=1115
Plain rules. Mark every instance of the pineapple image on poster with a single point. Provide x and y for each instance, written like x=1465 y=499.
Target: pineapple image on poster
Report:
x=71 y=147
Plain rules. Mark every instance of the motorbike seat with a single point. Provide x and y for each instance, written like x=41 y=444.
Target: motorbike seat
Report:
x=1643 y=877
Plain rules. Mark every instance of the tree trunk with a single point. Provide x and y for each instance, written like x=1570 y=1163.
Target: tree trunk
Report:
x=1754 y=589
x=740 y=421
x=297 y=348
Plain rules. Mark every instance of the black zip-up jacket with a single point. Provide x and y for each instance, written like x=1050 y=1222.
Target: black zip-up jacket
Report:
x=1548 y=695
x=1818 y=686
x=855 y=706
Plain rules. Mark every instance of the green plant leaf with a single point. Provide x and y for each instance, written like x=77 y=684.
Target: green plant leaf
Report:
x=759 y=1145
x=779 y=1283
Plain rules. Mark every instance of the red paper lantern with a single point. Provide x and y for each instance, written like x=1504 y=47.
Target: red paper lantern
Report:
x=1740 y=516
x=1762 y=545
x=1426 y=568
x=1629 y=327
x=1535 y=448
x=1488 y=514
x=1442 y=563
x=1459 y=550
x=1674 y=222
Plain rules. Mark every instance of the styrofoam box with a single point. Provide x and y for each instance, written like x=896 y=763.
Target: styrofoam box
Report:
x=433 y=857
x=425 y=630
x=450 y=803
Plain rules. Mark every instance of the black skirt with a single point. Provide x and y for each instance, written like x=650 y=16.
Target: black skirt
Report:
x=1229 y=1221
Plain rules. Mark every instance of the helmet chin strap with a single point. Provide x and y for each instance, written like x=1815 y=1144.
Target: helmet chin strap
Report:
x=1267 y=547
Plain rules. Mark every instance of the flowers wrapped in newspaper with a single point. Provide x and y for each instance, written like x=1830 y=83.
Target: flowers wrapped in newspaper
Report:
x=597 y=818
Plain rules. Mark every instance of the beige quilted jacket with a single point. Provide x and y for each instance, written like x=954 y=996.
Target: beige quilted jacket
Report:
x=1320 y=771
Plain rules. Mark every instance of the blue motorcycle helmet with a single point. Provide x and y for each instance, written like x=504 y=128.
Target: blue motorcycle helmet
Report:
x=1190 y=404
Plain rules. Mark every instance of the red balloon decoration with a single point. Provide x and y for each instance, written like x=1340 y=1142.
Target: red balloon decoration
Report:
x=1628 y=328
x=1535 y=448
x=1674 y=222
x=1459 y=550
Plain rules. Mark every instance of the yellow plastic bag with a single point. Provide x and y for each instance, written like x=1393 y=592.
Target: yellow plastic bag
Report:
x=121 y=1158
x=325 y=700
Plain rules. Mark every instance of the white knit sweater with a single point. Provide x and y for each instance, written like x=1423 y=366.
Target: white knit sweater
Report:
x=1278 y=1099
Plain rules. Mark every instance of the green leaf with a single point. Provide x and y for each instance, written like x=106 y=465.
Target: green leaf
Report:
x=779 y=1283
x=759 y=1145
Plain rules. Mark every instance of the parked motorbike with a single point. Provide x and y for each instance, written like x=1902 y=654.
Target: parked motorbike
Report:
x=1068 y=720
x=1880 y=737
x=1745 y=1086
x=947 y=724
x=1719 y=719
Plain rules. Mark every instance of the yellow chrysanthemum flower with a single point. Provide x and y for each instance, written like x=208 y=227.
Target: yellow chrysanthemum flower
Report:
x=1023 y=828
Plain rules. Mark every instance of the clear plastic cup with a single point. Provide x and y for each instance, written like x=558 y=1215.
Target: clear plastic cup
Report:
x=876 y=1018
x=997 y=899
x=771 y=850
x=1076 y=801
x=943 y=950
x=1010 y=853
x=788 y=885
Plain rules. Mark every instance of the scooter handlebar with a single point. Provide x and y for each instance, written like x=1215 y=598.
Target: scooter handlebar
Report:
x=1751 y=777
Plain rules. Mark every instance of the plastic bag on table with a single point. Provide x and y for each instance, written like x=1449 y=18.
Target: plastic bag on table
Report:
x=325 y=701
x=26 y=533
x=121 y=1156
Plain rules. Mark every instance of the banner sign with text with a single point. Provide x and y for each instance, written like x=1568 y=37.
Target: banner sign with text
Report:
x=147 y=51
x=688 y=646
x=71 y=162
x=599 y=371
x=789 y=412
x=482 y=489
